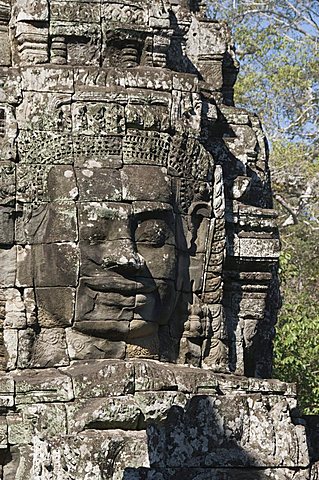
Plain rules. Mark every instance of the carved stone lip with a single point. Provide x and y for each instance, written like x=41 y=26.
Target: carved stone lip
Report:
x=113 y=330
x=124 y=286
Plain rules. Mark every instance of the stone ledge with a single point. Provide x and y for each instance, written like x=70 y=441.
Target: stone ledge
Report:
x=103 y=378
x=143 y=413
x=150 y=375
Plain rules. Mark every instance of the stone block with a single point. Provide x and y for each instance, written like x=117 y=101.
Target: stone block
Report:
x=50 y=349
x=212 y=72
x=10 y=340
x=5 y=49
x=30 y=183
x=45 y=111
x=104 y=78
x=161 y=262
x=47 y=79
x=147 y=117
x=83 y=346
x=15 y=316
x=47 y=223
x=37 y=147
x=235 y=115
x=42 y=419
x=258 y=385
x=3 y=433
x=30 y=307
x=85 y=45
x=153 y=376
x=48 y=265
x=184 y=83
x=156 y=406
x=99 y=184
x=192 y=233
x=26 y=341
x=86 y=30
x=8 y=266
x=98 y=258
x=95 y=118
x=45 y=183
x=6 y=225
x=6 y=391
x=252 y=305
x=42 y=386
x=104 y=309
x=101 y=378
x=31 y=36
x=89 y=454
x=102 y=223
x=151 y=230
x=18 y=463
x=76 y=11
x=61 y=184
x=97 y=151
x=55 y=306
x=7 y=187
x=121 y=412
x=216 y=431
x=255 y=247
x=117 y=13
x=11 y=91
x=155 y=186
x=196 y=272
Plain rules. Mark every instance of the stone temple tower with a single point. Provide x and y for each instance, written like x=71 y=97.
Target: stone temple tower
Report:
x=138 y=253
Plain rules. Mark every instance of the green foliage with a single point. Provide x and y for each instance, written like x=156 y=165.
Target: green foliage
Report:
x=277 y=43
x=278 y=48
x=297 y=340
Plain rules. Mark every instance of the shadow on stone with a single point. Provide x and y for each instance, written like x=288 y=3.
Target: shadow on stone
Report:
x=199 y=443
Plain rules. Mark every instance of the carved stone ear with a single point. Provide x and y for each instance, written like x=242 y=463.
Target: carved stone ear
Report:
x=198 y=211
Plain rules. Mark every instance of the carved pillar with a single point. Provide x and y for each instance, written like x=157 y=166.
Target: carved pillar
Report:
x=5 y=47
x=58 y=50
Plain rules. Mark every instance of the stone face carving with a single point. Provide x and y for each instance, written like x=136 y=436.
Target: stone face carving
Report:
x=137 y=233
x=127 y=179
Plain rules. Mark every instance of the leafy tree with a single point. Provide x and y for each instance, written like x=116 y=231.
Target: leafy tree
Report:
x=277 y=43
x=297 y=342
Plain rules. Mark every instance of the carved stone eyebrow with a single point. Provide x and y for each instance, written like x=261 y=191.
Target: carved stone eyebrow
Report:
x=147 y=209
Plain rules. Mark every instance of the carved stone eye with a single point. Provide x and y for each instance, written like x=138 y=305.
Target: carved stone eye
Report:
x=96 y=238
x=154 y=232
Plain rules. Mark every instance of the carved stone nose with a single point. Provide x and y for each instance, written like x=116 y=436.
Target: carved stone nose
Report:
x=123 y=256
x=134 y=260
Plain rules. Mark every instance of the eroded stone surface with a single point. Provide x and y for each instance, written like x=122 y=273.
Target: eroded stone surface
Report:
x=220 y=422
x=138 y=252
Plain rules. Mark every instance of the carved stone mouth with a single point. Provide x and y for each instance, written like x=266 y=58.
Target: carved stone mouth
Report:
x=112 y=330
x=124 y=286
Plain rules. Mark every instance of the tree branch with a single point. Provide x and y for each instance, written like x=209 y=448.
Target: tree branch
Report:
x=287 y=207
